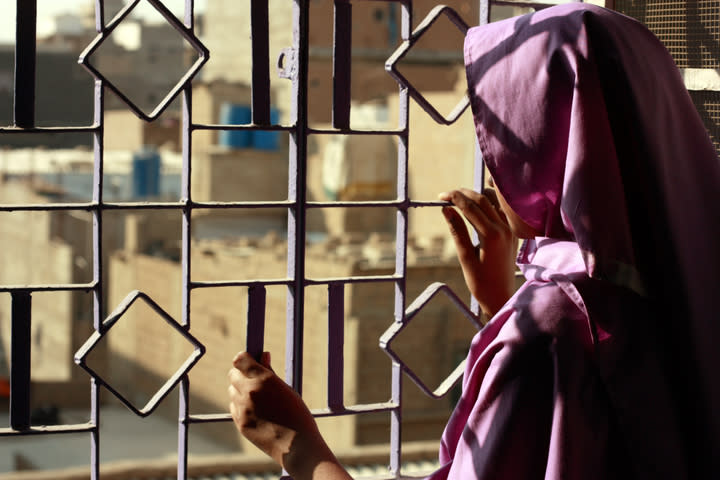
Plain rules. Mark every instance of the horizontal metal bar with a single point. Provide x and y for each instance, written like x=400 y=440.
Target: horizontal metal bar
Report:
x=322 y=412
x=355 y=409
x=90 y=206
x=220 y=205
x=48 y=206
x=347 y=280
x=239 y=283
x=435 y=57
x=352 y=131
x=81 y=129
x=144 y=205
x=49 y=429
x=288 y=281
x=49 y=288
x=387 y=203
x=539 y=5
x=376 y=203
x=215 y=126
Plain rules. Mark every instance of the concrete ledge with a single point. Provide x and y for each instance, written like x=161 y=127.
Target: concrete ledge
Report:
x=701 y=78
x=210 y=465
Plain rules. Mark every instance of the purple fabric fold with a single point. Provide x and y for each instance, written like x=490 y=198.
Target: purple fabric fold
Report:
x=603 y=364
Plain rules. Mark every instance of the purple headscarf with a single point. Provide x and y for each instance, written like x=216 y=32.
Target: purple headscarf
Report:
x=604 y=364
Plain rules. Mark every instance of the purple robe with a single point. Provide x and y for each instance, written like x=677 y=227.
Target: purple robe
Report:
x=603 y=364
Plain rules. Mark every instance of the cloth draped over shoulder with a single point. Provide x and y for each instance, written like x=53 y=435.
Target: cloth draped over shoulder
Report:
x=603 y=364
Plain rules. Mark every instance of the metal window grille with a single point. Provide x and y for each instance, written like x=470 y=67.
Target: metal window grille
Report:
x=691 y=33
x=297 y=205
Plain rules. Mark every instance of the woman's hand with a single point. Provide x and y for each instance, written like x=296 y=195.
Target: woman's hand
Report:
x=489 y=267
x=273 y=416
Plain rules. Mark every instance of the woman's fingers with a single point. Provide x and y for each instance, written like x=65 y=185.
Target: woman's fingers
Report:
x=488 y=269
x=467 y=252
x=487 y=203
x=477 y=209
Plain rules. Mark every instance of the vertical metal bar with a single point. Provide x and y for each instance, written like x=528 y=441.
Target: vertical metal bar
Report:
x=186 y=229
x=20 y=343
x=342 y=64
x=401 y=251
x=255 y=333
x=396 y=420
x=185 y=182
x=183 y=433
x=260 y=62
x=484 y=12
x=25 y=60
x=479 y=170
x=97 y=195
x=297 y=193
x=336 y=339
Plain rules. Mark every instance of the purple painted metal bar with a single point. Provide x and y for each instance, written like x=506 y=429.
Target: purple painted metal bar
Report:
x=86 y=287
x=342 y=62
x=30 y=130
x=265 y=128
x=336 y=338
x=317 y=412
x=255 y=333
x=260 y=62
x=297 y=192
x=48 y=430
x=98 y=299
x=484 y=12
x=535 y=5
x=186 y=240
x=183 y=428
x=25 y=59
x=479 y=170
x=401 y=251
x=350 y=131
x=239 y=283
x=20 y=342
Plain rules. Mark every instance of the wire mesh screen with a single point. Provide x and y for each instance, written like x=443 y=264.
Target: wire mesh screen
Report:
x=708 y=104
x=689 y=30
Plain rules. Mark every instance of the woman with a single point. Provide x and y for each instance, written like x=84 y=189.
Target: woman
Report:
x=602 y=364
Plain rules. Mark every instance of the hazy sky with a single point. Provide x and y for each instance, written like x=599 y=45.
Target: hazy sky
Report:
x=49 y=8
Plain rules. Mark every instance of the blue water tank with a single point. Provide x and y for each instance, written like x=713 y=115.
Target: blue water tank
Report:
x=146 y=173
x=268 y=140
x=234 y=114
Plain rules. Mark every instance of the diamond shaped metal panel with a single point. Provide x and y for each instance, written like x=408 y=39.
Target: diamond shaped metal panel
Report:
x=186 y=33
x=112 y=319
x=391 y=65
x=396 y=328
